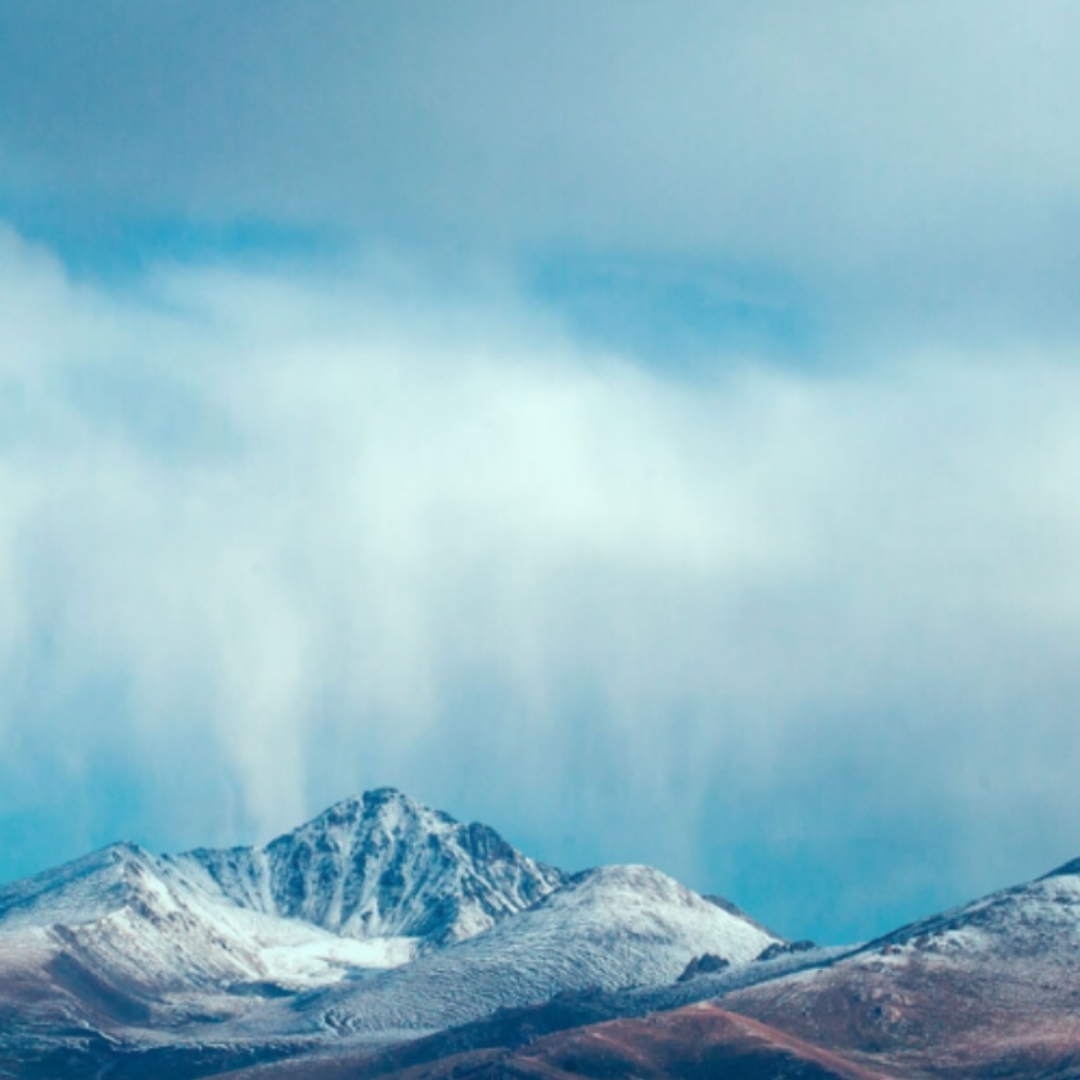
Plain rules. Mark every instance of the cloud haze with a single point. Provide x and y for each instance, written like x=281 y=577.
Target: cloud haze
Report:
x=267 y=537
x=903 y=158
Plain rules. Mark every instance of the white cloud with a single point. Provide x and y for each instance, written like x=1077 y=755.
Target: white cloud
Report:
x=323 y=535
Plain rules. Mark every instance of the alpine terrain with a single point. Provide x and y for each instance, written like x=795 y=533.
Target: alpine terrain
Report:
x=378 y=920
x=386 y=939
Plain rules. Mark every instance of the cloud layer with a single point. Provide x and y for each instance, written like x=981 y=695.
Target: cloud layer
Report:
x=910 y=161
x=270 y=537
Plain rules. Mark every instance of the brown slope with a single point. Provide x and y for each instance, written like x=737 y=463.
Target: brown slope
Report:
x=959 y=1018
x=694 y=1043
x=989 y=989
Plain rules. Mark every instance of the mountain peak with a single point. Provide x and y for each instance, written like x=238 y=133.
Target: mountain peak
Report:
x=81 y=890
x=381 y=865
x=368 y=801
x=384 y=795
x=383 y=804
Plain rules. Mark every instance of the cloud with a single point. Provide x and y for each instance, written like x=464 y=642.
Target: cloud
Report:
x=270 y=537
x=908 y=162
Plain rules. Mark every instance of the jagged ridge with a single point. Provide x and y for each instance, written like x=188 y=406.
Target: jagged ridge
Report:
x=382 y=866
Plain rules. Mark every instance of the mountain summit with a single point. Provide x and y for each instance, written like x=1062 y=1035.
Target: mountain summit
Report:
x=382 y=865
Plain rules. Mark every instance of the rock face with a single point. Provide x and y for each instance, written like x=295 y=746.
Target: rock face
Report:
x=706 y=964
x=382 y=866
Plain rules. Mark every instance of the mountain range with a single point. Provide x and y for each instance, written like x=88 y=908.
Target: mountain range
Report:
x=386 y=938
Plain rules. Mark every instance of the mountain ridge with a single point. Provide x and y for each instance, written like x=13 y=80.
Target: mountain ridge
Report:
x=377 y=895
x=382 y=865
x=607 y=929
x=380 y=922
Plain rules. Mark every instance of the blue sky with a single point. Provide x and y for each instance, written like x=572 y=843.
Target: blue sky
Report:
x=653 y=430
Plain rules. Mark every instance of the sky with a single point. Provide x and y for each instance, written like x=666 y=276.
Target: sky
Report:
x=653 y=430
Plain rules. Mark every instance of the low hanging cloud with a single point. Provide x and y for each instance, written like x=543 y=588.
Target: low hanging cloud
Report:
x=283 y=537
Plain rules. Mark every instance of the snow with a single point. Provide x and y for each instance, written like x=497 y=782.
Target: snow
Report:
x=377 y=918
x=77 y=892
x=984 y=984
x=381 y=866
x=141 y=921
x=1037 y=920
x=612 y=928
x=382 y=920
x=369 y=884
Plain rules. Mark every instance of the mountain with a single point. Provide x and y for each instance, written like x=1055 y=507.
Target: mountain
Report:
x=611 y=928
x=126 y=945
x=143 y=924
x=989 y=988
x=384 y=938
x=119 y=952
x=381 y=866
x=367 y=884
x=378 y=920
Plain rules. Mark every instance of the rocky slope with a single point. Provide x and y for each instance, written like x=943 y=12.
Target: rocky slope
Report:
x=992 y=987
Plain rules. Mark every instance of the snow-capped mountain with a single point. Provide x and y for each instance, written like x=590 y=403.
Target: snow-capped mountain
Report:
x=611 y=928
x=1039 y=920
x=423 y=922
x=366 y=884
x=148 y=937
x=381 y=866
x=382 y=920
x=127 y=944
x=989 y=988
